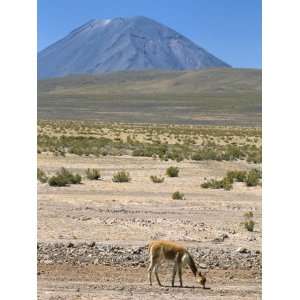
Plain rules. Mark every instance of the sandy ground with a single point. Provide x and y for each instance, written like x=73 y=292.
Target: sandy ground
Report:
x=105 y=282
x=136 y=212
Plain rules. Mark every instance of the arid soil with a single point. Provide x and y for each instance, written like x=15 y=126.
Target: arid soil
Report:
x=89 y=233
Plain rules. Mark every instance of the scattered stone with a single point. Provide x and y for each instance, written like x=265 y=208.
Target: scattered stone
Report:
x=241 y=250
x=220 y=238
x=111 y=255
x=48 y=262
x=92 y=244
x=70 y=245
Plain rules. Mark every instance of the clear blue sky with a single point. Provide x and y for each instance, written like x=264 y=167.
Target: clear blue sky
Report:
x=229 y=29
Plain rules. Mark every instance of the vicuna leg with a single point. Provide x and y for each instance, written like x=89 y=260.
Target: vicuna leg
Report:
x=154 y=263
x=150 y=270
x=180 y=273
x=156 y=274
x=174 y=272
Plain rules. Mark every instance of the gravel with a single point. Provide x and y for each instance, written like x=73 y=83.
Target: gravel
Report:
x=95 y=253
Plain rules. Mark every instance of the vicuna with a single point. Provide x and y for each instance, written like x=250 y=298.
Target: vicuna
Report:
x=166 y=250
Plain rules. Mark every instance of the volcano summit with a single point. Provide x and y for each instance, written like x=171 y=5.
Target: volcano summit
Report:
x=135 y=43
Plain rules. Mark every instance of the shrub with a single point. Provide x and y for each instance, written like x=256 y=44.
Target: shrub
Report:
x=64 y=177
x=253 y=178
x=172 y=171
x=255 y=156
x=75 y=179
x=157 y=179
x=249 y=225
x=224 y=183
x=205 y=154
x=57 y=180
x=239 y=176
x=121 y=176
x=248 y=215
x=177 y=196
x=93 y=174
x=41 y=176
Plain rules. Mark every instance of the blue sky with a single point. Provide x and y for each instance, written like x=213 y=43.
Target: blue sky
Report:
x=229 y=29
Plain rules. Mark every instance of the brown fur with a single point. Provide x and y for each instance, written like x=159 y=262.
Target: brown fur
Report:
x=167 y=250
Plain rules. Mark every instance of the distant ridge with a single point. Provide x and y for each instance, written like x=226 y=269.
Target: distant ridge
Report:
x=120 y=44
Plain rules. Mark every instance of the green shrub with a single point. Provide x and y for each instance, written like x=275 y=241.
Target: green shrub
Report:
x=249 y=225
x=177 y=196
x=58 y=180
x=248 y=215
x=253 y=178
x=205 y=154
x=255 y=156
x=64 y=177
x=121 y=176
x=93 y=174
x=41 y=176
x=75 y=179
x=157 y=179
x=172 y=171
x=224 y=183
x=239 y=176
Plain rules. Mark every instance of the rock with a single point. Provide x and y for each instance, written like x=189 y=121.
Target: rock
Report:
x=241 y=250
x=48 y=262
x=92 y=244
x=221 y=238
x=70 y=245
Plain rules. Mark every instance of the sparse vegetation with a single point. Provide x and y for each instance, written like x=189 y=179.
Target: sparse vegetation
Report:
x=41 y=176
x=64 y=177
x=93 y=174
x=239 y=176
x=224 y=183
x=121 y=176
x=248 y=223
x=253 y=177
x=178 y=196
x=166 y=142
x=172 y=171
x=157 y=179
